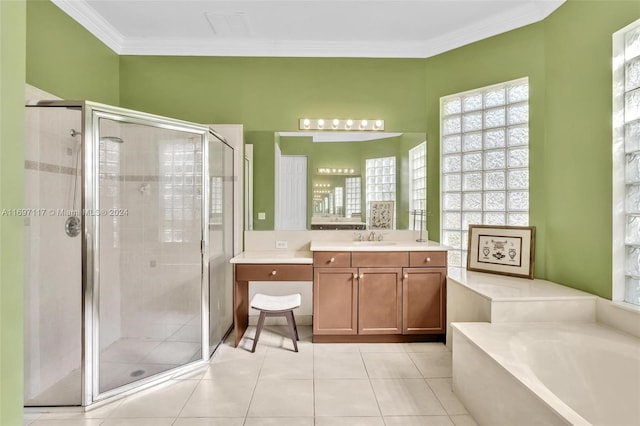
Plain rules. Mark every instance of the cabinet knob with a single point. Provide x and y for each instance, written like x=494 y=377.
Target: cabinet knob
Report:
x=333 y=259
x=427 y=259
x=361 y=276
x=355 y=276
x=274 y=272
x=406 y=276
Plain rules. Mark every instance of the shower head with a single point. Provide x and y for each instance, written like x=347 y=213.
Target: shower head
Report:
x=112 y=139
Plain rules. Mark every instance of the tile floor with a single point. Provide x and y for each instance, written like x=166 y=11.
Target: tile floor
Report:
x=322 y=385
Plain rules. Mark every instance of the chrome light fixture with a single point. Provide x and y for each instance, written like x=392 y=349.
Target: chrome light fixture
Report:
x=338 y=124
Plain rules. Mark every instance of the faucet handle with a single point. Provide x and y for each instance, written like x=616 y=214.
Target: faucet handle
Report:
x=381 y=235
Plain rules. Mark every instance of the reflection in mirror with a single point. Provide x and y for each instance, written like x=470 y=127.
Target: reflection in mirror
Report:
x=354 y=180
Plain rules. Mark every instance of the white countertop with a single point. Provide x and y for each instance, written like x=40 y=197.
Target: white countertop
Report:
x=274 y=256
x=384 y=245
x=501 y=288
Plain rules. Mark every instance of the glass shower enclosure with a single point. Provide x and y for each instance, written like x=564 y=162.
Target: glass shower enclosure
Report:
x=129 y=228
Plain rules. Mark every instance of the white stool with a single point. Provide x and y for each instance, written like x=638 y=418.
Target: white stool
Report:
x=270 y=306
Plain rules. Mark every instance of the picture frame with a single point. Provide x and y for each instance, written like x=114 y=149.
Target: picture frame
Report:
x=381 y=215
x=504 y=250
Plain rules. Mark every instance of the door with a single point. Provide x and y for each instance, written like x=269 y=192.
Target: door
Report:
x=335 y=296
x=220 y=240
x=379 y=301
x=291 y=193
x=424 y=300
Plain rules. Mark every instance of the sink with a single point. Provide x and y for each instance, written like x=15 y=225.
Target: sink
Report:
x=374 y=243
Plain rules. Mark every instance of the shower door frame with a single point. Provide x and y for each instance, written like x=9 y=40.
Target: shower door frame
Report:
x=92 y=112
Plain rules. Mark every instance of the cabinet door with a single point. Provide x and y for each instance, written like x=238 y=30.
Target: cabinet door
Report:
x=424 y=300
x=380 y=301
x=335 y=296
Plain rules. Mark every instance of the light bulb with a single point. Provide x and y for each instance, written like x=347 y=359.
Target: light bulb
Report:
x=378 y=124
x=349 y=123
x=364 y=123
x=321 y=123
x=336 y=122
x=306 y=122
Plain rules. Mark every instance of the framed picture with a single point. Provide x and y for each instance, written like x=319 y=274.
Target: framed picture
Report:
x=381 y=215
x=506 y=250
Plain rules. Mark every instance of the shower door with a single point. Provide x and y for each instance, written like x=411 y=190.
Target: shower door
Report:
x=220 y=240
x=149 y=267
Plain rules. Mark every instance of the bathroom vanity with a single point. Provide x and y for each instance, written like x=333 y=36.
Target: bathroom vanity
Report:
x=378 y=291
x=363 y=291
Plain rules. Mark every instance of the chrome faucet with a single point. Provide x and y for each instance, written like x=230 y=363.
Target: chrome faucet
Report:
x=372 y=236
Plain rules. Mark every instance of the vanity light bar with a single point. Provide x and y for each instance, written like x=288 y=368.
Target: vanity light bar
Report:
x=337 y=124
x=335 y=171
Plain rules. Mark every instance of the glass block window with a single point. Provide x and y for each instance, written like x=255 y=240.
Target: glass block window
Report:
x=484 y=162
x=626 y=165
x=418 y=183
x=381 y=181
x=338 y=194
x=353 y=194
x=180 y=186
x=217 y=195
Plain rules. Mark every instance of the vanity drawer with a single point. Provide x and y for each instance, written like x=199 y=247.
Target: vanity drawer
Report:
x=261 y=272
x=379 y=259
x=332 y=259
x=427 y=258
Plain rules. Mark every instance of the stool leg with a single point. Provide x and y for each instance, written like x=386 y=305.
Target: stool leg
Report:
x=295 y=326
x=291 y=322
x=258 y=330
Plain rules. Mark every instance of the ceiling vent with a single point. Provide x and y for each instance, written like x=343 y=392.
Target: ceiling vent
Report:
x=231 y=24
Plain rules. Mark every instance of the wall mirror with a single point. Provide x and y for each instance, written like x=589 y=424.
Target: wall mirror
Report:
x=338 y=180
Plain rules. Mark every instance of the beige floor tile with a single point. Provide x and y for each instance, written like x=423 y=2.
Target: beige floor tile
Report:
x=444 y=393
x=336 y=365
x=165 y=400
x=345 y=397
x=279 y=421
x=463 y=420
x=381 y=347
x=138 y=422
x=433 y=364
x=287 y=365
x=219 y=398
x=406 y=397
x=236 y=421
x=235 y=368
x=321 y=348
x=349 y=421
x=67 y=422
x=390 y=366
x=425 y=347
x=282 y=398
x=417 y=421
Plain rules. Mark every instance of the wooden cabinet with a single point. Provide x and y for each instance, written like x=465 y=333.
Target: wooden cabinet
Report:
x=380 y=294
x=424 y=300
x=379 y=301
x=335 y=301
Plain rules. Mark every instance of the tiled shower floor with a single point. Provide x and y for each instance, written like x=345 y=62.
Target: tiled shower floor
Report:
x=323 y=385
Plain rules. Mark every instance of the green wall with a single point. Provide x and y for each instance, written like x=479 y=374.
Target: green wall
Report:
x=577 y=117
x=66 y=60
x=12 y=119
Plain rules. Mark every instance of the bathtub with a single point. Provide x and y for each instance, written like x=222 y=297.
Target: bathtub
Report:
x=547 y=374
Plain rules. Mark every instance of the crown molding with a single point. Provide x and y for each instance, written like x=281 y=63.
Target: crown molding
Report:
x=86 y=16
x=528 y=13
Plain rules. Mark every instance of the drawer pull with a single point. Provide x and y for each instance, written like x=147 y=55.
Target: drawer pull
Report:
x=273 y=272
x=333 y=259
x=427 y=259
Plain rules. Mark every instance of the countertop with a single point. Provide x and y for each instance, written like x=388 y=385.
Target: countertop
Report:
x=274 y=256
x=384 y=245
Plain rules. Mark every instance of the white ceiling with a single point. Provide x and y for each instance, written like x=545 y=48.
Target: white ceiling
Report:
x=309 y=28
